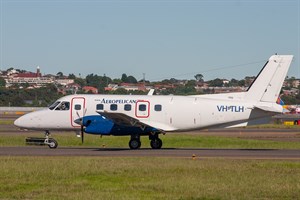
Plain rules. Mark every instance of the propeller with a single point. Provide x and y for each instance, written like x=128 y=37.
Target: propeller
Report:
x=82 y=134
x=81 y=124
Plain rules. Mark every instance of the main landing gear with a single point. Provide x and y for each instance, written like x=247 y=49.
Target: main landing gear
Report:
x=135 y=141
x=52 y=143
x=155 y=142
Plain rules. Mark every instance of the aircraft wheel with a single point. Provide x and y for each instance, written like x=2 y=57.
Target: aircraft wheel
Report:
x=52 y=144
x=156 y=143
x=134 y=144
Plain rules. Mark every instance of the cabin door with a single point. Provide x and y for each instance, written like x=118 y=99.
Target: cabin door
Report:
x=142 y=109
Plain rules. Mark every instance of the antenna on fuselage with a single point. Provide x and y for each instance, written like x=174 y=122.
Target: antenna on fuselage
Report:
x=151 y=92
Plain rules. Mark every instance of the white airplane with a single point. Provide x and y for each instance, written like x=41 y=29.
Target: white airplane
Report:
x=150 y=115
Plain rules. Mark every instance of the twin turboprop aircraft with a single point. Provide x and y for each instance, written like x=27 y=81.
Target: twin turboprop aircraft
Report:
x=151 y=115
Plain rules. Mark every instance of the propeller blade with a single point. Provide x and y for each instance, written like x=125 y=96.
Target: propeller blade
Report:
x=82 y=134
x=80 y=120
x=78 y=114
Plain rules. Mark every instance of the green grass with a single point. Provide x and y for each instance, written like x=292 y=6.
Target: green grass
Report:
x=6 y=122
x=147 y=178
x=169 y=141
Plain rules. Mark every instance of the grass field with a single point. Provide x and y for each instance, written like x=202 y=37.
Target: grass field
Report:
x=6 y=122
x=147 y=178
x=150 y=177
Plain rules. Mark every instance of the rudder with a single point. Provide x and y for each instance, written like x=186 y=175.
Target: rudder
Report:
x=267 y=85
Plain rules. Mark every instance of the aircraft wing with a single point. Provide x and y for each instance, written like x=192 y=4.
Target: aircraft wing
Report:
x=124 y=120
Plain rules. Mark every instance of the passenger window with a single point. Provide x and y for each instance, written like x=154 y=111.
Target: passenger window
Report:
x=142 y=107
x=157 y=107
x=113 y=107
x=63 y=106
x=127 y=107
x=100 y=107
x=77 y=107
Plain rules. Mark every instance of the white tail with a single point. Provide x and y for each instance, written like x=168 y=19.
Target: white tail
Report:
x=267 y=85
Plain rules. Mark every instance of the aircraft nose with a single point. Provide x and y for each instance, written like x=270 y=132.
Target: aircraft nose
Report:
x=19 y=122
x=24 y=121
x=78 y=121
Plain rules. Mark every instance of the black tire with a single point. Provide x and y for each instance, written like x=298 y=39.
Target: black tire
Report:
x=134 y=144
x=52 y=144
x=156 y=143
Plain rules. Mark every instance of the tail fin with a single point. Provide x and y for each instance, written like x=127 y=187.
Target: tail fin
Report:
x=267 y=85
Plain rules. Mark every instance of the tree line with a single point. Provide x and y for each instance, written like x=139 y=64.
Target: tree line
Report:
x=19 y=96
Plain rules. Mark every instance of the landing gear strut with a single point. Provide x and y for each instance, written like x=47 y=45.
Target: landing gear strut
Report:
x=52 y=143
x=155 y=142
x=135 y=142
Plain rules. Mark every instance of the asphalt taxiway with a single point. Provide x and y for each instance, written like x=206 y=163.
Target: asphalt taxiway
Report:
x=286 y=135
x=168 y=152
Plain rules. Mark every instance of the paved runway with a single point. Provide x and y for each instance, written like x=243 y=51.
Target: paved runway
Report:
x=287 y=135
x=173 y=153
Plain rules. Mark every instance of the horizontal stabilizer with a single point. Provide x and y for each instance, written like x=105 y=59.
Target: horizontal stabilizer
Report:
x=270 y=107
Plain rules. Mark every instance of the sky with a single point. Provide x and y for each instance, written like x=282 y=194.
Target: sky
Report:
x=161 y=39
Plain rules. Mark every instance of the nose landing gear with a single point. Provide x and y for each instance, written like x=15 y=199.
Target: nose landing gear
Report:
x=52 y=143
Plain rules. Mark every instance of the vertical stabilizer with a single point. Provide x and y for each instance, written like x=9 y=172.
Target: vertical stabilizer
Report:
x=267 y=85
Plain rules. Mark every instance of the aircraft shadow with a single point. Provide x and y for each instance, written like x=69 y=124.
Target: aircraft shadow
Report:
x=165 y=149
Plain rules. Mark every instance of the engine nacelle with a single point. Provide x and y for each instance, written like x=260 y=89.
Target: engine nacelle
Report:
x=96 y=124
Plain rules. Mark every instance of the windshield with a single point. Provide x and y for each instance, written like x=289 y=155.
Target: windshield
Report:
x=63 y=106
x=54 y=105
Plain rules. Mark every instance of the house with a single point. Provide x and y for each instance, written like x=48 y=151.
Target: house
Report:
x=225 y=81
x=128 y=87
x=111 y=87
x=296 y=83
x=90 y=89
x=27 y=77
x=65 y=81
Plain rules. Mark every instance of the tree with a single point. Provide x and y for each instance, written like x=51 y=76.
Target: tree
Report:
x=233 y=82
x=71 y=76
x=216 y=83
x=119 y=91
x=93 y=80
x=185 y=90
x=2 y=82
x=80 y=81
x=131 y=79
x=59 y=74
x=117 y=81
x=128 y=79
x=100 y=82
x=124 y=78
x=190 y=83
x=241 y=83
x=199 y=77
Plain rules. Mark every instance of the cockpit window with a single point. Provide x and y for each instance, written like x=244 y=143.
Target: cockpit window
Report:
x=63 y=106
x=54 y=105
